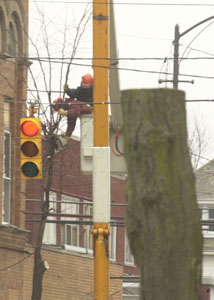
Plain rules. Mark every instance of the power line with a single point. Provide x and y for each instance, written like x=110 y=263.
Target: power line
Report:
x=112 y=223
x=123 y=3
x=63 y=59
x=85 y=202
x=200 y=100
x=97 y=103
x=16 y=263
x=143 y=71
x=64 y=215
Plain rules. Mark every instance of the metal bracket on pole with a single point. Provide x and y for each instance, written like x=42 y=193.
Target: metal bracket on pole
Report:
x=101 y=233
x=187 y=81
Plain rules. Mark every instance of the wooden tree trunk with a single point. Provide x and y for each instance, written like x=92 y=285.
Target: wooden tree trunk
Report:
x=162 y=219
x=39 y=264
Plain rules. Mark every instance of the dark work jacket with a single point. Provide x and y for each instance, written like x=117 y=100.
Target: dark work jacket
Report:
x=81 y=94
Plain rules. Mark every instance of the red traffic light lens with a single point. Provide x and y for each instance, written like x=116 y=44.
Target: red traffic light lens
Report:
x=29 y=128
x=30 y=169
x=29 y=149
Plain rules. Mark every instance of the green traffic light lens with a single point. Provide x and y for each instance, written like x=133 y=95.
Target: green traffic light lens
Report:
x=30 y=169
x=29 y=149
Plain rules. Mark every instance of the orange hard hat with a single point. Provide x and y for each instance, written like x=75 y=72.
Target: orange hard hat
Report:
x=87 y=80
x=58 y=100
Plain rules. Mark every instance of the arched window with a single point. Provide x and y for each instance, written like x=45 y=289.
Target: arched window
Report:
x=2 y=31
x=11 y=40
x=0 y=34
x=18 y=34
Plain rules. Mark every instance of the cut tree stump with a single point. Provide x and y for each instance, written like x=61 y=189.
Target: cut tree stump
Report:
x=162 y=219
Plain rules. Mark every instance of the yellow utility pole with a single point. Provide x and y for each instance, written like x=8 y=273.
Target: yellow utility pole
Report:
x=101 y=151
x=101 y=70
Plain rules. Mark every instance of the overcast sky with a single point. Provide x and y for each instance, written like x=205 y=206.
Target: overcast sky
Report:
x=145 y=30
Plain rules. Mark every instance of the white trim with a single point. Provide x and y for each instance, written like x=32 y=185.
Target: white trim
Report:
x=131 y=284
x=6 y=178
x=211 y=293
x=68 y=208
x=209 y=280
x=78 y=249
x=205 y=207
x=49 y=236
x=113 y=234
x=126 y=260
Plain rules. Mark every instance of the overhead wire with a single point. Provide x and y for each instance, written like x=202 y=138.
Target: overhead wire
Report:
x=122 y=3
x=16 y=263
x=53 y=59
x=144 y=71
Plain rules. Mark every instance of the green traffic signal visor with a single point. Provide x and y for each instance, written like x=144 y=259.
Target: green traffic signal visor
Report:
x=29 y=149
x=30 y=169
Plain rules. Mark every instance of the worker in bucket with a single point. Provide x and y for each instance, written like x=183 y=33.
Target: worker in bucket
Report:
x=79 y=103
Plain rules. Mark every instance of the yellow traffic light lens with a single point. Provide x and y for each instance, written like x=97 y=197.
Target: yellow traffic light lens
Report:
x=30 y=169
x=29 y=128
x=29 y=149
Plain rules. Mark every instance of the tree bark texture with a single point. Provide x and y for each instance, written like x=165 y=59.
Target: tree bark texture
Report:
x=162 y=218
x=39 y=267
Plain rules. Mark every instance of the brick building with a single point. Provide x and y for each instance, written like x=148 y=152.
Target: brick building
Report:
x=13 y=91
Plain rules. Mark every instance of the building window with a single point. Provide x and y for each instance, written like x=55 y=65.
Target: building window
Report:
x=87 y=229
x=71 y=235
x=6 y=178
x=207 y=214
x=112 y=246
x=49 y=236
x=129 y=258
x=18 y=35
x=70 y=232
x=11 y=40
x=211 y=218
x=2 y=31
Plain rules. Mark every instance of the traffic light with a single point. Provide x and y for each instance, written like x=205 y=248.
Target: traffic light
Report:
x=31 y=148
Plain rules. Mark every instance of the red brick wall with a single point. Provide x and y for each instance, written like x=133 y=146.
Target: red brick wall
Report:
x=205 y=292
x=13 y=86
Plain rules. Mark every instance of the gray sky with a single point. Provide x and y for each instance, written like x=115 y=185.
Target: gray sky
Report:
x=145 y=29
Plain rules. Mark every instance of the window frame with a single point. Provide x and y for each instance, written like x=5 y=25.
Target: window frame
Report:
x=66 y=198
x=6 y=178
x=87 y=229
x=2 y=29
x=113 y=243
x=11 y=39
x=129 y=258
x=204 y=208
x=49 y=236
x=18 y=34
